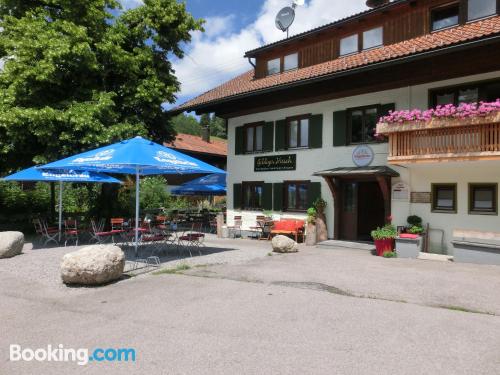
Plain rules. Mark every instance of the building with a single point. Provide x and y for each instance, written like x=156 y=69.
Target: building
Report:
x=301 y=122
x=205 y=148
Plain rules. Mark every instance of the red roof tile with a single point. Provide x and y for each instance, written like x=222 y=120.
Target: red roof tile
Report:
x=193 y=143
x=245 y=83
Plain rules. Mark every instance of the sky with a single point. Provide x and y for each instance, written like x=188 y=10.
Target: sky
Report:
x=234 y=27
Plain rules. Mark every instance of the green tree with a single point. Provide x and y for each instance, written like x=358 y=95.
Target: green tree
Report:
x=218 y=127
x=186 y=124
x=76 y=77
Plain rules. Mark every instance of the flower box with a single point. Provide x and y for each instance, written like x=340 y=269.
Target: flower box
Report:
x=408 y=247
x=436 y=123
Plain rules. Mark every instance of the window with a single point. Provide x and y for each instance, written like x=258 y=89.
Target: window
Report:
x=362 y=124
x=298 y=131
x=483 y=199
x=296 y=195
x=252 y=195
x=291 y=62
x=475 y=92
x=480 y=8
x=373 y=38
x=253 y=137
x=444 y=198
x=444 y=17
x=273 y=66
x=349 y=45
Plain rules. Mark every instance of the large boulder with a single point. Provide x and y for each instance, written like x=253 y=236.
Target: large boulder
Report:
x=11 y=244
x=284 y=244
x=93 y=265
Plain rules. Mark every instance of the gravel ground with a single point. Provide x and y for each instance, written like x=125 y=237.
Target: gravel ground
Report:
x=39 y=268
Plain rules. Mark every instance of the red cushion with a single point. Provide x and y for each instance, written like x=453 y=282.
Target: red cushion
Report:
x=288 y=225
x=408 y=235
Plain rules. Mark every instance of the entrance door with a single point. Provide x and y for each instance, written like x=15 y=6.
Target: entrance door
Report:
x=362 y=210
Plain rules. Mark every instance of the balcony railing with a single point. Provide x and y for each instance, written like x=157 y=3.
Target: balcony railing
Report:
x=470 y=139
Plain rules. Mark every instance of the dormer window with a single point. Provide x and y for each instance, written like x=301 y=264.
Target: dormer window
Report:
x=480 y=8
x=273 y=66
x=444 y=17
x=349 y=45
x=373 y=38
x=291 y=62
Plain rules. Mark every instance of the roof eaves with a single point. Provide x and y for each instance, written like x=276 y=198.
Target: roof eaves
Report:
x=420 y=55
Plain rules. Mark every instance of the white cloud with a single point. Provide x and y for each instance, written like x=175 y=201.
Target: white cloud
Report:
x=217 y=55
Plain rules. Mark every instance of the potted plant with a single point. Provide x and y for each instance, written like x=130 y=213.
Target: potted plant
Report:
x=311 y=227
x=409 y=244
x=384 y=238
x=321 y=230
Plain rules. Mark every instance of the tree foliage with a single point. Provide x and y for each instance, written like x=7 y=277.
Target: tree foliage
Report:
x=76 y=77
x=188 y=124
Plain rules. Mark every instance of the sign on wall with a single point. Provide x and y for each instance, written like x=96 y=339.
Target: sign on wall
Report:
x=275 y=163
x=400 y=191
x=420 y=197
x=362 y=155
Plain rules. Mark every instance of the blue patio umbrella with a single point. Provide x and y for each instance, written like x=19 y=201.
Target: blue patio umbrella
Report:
x=36 y=174
x=214 y=184
x=137 y=156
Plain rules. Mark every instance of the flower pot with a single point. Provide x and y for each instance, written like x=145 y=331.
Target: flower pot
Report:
x=408 y=247
x=384 y=246
x=311 y=235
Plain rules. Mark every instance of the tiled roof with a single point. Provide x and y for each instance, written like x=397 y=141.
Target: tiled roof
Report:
x=193 y=143
x=245 y=83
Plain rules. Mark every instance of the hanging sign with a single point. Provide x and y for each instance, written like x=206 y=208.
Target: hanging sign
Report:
x=400 y=191
x=362 y=155
x=275 y=163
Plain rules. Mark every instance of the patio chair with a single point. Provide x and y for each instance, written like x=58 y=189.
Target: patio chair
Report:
x=48 y=234
x=70 y=231
x=258 y=229
x=118 y=228
x=236 y=228
x=194 y=238
x=98 y=234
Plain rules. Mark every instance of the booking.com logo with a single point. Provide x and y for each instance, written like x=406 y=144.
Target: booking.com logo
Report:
x=80 y=356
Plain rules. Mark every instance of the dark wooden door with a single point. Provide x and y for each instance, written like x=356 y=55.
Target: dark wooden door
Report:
x=371 y=210
x=349 y=211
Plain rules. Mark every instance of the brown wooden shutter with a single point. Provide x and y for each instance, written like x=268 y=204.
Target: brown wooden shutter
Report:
x=278 y=196
x=267 y=197
x=340 y=128
x=316 y=131
x=268 y=134
x=239 y=141
x=280 y=142
x=313 y=193
x=237 y=196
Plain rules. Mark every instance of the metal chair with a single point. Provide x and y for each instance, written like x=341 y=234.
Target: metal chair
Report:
x=193 y=238
x=70 y=231
x=98 y=234
x=49 y=234
x=236 y=227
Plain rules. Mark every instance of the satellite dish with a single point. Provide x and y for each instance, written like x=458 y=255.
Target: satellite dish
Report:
x=284 y=18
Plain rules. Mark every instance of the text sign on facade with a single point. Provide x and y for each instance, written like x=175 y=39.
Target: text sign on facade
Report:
x=362 y=155
x=275 y=163
x=400 y=191
x=420 y=197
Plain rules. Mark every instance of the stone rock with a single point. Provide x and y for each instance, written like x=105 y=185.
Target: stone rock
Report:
x=311 y=235
x=93 y=265
x=11 y=244
x=283 y=244
x=321 y=229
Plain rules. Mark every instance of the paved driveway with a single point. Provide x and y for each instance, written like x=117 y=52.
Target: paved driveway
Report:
x=275 y=315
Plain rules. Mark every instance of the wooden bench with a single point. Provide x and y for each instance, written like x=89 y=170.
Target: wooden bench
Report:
x=472 y=246
x=289 y=227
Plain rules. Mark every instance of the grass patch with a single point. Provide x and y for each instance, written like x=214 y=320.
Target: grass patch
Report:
x=269 y=254
x=180 y=267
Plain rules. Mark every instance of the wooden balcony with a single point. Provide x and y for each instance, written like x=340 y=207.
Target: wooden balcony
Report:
x=443 y=140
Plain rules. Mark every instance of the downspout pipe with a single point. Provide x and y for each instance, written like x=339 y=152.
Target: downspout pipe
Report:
x=251 y=62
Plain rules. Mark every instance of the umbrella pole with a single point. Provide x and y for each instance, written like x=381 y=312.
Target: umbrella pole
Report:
x=60 y=207
x=136 y=209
